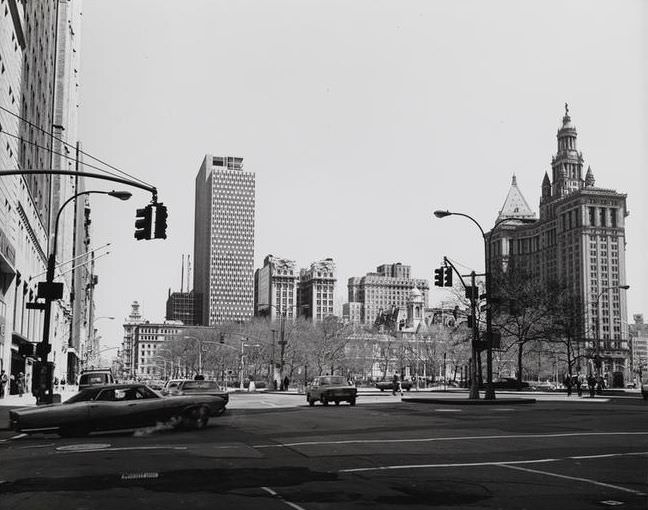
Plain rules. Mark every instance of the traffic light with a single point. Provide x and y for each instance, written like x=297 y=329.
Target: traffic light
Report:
x=438 y=277
x=448 y=277
x=160 y=221
x=143 y=223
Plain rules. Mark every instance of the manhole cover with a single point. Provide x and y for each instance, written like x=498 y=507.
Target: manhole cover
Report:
x=83 y=447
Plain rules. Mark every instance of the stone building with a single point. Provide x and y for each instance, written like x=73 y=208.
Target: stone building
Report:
x=390 y=286
x=275 y=288
x=316 y=290
x=579 y=241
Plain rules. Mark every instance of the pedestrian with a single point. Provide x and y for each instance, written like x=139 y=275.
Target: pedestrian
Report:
x=3 y=383
x=591 y=384
x=251 y=385
x=600 y=384
x=579 y=386
x=396 y=385
x=568 y=385
x=21 y=384
x=286 y=382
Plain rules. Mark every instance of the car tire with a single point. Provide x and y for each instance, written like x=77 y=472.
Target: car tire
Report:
x=196 y=418
x=311 y=402
x=382 y=389
x=352 y=401
x=337 y=402
x=324 y=400
x=409 y=388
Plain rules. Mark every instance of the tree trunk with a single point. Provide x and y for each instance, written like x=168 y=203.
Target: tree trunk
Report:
x=519 y=367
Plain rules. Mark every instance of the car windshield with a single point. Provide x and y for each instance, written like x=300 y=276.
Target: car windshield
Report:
x=200 y=385
x=93 y=379
x=332 y=380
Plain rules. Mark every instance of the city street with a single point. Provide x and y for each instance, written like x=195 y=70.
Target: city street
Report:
x=272 y=451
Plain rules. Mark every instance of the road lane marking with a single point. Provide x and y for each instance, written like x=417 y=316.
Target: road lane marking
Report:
x=18 y=436
x=36 y=446
x=281 y=498
x=444 y=410
x=456 y=438
x=140 y=476
x=63 y=449
x=447 y=465
x=578 y=479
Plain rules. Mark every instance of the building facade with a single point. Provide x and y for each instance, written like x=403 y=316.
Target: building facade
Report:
x=275 y=288
x=183 y=307
x=390 y=286
x=39 y=50
x=579 y=241
x=316 y=290
x=127 y=352
x=639 y=348
x=224 y=240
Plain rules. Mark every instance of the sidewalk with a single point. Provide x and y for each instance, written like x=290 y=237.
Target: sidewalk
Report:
x=9 y=402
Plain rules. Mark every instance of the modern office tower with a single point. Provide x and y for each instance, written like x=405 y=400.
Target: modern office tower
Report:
x=183 y=307
x=224 y=240
x=390 y=286
x=316 y=290
x=578 y=241
x=275 y=288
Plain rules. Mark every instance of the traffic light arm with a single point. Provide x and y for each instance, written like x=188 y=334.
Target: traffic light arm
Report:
x=453 y=268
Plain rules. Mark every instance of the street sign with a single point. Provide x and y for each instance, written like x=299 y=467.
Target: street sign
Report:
x=50 y=290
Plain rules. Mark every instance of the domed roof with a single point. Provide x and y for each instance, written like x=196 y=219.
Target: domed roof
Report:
x=416 y=293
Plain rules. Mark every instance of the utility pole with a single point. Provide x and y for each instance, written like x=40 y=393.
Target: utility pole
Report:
x=282 y=343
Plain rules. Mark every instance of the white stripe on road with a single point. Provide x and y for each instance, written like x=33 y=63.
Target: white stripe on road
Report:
x=281 y=498
x=457 y=438
x=448 y=465
x=124 y=449
x=578 y=479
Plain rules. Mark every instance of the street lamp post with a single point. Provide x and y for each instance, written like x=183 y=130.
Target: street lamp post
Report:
x=490 y=391
x=51 y=292
x=200 y=348
x=92 y=348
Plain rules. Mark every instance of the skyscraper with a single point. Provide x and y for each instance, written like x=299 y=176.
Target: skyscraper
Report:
x=224 y=240
x=579 y=241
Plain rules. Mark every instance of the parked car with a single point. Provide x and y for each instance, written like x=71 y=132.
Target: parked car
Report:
x=331 y=388
x=94 y=377
x=509 y=383
x=389 y=385
x=116 y=406
x=178 y=387
x=542 y=386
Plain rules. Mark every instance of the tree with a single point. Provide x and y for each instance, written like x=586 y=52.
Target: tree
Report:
x=523 y=311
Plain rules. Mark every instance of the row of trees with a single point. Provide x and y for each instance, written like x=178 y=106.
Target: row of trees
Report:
x=541 y=328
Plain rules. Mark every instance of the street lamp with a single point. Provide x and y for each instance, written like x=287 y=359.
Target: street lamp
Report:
x=282 y=339
x=490 y=391
x=199 y=352
x=597 y=347
x=50 y=292
x=91 y=334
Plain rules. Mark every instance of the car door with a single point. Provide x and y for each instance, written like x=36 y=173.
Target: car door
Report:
x=114 y=408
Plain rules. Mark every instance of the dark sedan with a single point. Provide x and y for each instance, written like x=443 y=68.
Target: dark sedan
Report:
x=116 y=406
x=389 y=385
x=331 y=388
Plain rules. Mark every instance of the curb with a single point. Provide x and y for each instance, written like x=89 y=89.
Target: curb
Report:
x=468 y=402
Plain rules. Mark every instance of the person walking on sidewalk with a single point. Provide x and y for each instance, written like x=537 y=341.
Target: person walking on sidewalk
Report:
x=21 y=384
x=4 y=379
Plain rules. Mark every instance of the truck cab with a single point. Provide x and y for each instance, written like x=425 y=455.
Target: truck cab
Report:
x=96 y=376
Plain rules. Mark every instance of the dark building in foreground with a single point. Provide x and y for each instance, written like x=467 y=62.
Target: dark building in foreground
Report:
x=579 y=241
x=184 y=307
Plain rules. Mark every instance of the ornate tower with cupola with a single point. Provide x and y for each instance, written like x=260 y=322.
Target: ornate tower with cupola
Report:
x=567 y=164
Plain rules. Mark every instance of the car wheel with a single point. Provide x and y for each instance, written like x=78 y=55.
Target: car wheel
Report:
x=337 y=402
x=352 y=401
x=311 y=402
x=196 y=418
x=409 y=388
x=74 y=431
x=324 y=400
x=382 y=389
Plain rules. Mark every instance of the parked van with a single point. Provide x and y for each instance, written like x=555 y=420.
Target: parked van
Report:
x=96 y=376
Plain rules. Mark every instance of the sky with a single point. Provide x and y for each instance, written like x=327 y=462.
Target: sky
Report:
x=359 y=119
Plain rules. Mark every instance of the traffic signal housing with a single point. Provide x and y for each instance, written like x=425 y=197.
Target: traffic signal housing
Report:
x=143 y=223
x=438 y=277
x=161 y=216
x=447 y=282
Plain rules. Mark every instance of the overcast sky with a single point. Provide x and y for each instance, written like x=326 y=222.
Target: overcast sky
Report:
x=359 y=118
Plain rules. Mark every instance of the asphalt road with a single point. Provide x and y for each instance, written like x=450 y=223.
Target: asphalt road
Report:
x=274 y=452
